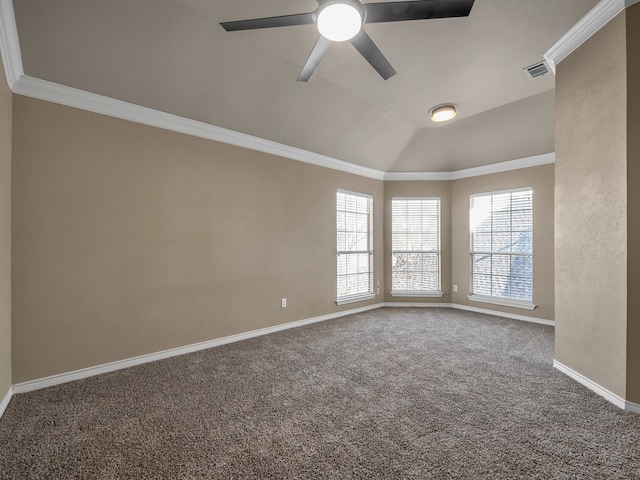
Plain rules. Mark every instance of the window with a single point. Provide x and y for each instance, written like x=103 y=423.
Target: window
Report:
x=415 y=247
x=355 y=246
x=502 y=247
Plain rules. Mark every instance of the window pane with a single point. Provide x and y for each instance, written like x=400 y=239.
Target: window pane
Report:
x=415 y=228
x=414 y=280
x=414 y=241
x=482 y=242
x=363 y=262
x=352 y=263
x=481 y=284
x=430 y=280
x=482 y=264
x=398 y=241
x=521 y=266
x=351 y=202
x=342 y=286
x=399 y=280
x=501 y=227
x=522 y=220
x=354 y=234
x=501 y=221
x=522 y=242
x=430 y=224
x=430 y=262
x=342 y=264
x=429 y=241
x=362 y=242
x=500 y=286
x=501 y=242
x=500 y=265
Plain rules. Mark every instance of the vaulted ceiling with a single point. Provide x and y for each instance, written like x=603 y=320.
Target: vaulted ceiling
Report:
x=173 y=56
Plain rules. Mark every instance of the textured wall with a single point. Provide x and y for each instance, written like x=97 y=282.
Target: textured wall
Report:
x=591 y=208
x=541 y=179
x=633 y=219
x=420 y=189
x=129 y=239
x=5 y=238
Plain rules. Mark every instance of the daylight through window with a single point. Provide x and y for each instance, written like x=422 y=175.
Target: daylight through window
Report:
x=415 y=245
x=354 y=213
x=502 y=245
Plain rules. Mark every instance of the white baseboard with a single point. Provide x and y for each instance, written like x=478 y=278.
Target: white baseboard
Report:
x=632 y=407
x=5 y=401
x=513 y=316
x=152 y=357
x=458 y=306
x=416 y=304
x=608 y=395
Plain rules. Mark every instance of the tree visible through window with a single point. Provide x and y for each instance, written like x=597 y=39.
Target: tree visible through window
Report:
x=502 y=244
x=415 y=245
x=354 y=213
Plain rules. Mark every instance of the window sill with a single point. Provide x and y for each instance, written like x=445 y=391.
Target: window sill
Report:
x=502 y=301
x=355 y=298
x=416 y=294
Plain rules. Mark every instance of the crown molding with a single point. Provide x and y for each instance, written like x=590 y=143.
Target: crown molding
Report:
x=9 y=44
x=517 y=164
x=410 y=176
x=92 y=102
x=592 y=22
x=22 y=84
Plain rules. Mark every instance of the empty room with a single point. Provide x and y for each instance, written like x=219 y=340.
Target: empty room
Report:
x=273 y=239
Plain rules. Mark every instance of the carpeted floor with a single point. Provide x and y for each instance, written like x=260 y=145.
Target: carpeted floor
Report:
x=392 y=393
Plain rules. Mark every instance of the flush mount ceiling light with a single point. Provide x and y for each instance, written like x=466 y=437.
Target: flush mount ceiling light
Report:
x=339 y=21
x=442 y=113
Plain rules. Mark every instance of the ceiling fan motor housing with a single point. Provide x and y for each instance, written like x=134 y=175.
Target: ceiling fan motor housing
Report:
x=353 y=3
x=339 y=20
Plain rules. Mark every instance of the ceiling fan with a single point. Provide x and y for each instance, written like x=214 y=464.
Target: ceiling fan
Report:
x=342 y=20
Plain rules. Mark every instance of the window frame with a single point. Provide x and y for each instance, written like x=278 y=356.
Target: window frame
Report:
x=369 y=294
x=496 y=300
x=419 y=293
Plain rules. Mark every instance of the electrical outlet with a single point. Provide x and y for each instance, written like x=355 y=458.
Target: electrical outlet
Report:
x=284 y=303
x=455 y=288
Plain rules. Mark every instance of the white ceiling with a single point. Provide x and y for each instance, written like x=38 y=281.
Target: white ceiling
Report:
x=173 y=56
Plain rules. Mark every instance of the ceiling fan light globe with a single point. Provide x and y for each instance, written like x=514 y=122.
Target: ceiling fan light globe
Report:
x=443 y=113
x=339 y=22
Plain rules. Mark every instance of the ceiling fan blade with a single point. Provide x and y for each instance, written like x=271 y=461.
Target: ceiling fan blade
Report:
x=416 y=10
x=314 y=59
x=270 y=22
x=373 y=55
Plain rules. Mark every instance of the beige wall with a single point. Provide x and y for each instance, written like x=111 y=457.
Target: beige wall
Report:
x=5 y=238
x=591 y=208
x=633 y=192
x=456 y=266
x=129 y=239
x=541 y=179
x=440 y=189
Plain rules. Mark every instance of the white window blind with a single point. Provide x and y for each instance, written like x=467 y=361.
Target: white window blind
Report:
x=502 y=245
x=354 y=213
x=415 y=245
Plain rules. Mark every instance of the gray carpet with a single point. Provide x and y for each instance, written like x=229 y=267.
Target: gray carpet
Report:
x=392 y=393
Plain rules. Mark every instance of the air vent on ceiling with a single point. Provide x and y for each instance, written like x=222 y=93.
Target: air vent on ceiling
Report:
x=537 y=70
